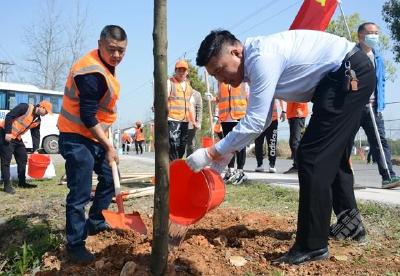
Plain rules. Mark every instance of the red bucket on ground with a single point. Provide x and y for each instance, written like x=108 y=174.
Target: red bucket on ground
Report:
x=207 y=142
x=37 y=165
x=192 y=195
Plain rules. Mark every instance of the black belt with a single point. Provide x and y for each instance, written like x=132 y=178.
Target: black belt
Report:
x=351 y=53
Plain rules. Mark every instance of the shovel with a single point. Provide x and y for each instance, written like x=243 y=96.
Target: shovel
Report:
x=119 y=219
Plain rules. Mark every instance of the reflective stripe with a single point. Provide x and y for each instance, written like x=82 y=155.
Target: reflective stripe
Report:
x=225 y=99
x=89 y=69
x=226 y=110
x=71 y=93
x=177 y=107
x=71 y=117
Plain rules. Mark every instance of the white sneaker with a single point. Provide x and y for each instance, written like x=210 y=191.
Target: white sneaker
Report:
x=259 y=169
x=272 y=169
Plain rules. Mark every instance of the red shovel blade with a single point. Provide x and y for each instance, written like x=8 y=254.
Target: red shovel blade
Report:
x=125 y=221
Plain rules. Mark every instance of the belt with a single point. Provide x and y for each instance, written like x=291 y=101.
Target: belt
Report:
x=351 y=53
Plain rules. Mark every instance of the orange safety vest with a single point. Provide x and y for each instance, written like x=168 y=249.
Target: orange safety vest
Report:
x=22 y=123
x=69 y=119
x=139 y=135
x=179 y=101
x=232 y=100
x=292 y=107
x=126 y=138
x=275 y=112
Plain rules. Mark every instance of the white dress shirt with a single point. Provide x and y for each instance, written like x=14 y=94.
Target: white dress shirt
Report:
x=287 y=66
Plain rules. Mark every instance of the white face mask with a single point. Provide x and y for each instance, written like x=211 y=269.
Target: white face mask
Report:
x=371 y=40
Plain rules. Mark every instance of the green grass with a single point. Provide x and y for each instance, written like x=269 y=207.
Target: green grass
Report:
x=379 y=218
x=33 y=236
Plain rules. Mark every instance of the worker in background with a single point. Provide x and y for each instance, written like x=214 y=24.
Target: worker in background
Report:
x=232 y=104
x=126 y=142
x=196 y=106
x=368 y=37
x=139 y=137
x=19 y=120
x=179 y=93
x=326 y=69
x=296 y=115
x=271 y=136
x=87 y=113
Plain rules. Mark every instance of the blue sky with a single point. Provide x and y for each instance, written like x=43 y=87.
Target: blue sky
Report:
x=188 y=23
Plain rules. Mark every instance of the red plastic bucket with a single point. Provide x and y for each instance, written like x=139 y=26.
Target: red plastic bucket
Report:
x=37 y=165
x=192 y=195
x=207 y=142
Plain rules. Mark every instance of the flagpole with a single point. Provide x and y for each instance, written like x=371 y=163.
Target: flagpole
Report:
x=371 y=111
x=344 y=18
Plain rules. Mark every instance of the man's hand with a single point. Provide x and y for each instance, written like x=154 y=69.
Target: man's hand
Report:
x=111 y=155
x=8 y=137
x=220 y=164
x=198 y=160
x=283 y=116
x=299 y=113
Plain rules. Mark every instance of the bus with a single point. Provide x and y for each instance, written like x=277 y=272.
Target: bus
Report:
x=12 y=94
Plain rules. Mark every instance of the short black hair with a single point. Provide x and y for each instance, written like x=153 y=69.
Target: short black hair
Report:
x=212 y=44
x=362 y=26
x=113 y=32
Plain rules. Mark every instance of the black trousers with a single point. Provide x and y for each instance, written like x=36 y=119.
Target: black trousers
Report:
x=139 y=145
x=177 y=139
x=325 y=175
x=126 y=146
x=190 y=141
x=240 y=155
x=7 y=149
x=296 y=125
x=271 y=135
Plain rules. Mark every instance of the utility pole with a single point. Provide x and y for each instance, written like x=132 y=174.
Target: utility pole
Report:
x=4 y=65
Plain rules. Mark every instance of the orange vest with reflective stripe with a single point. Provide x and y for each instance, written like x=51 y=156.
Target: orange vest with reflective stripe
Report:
x=232 y=100
x=22 y=123
x=275 y=112
x=126 y=138
x=139 y=135
x=179 y=101
x=69 y=119
x=292 y=107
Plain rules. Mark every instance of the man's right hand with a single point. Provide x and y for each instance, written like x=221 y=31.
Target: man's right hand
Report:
x=111 y=155
x=8 y=137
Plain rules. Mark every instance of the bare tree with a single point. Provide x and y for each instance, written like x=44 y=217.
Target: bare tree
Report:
x=159 y=253
x=77 y=33
x=47 y=50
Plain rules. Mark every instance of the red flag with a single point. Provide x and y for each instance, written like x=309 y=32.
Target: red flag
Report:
x=314 y=15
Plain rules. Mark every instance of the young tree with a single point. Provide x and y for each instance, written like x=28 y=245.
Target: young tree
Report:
x=159 y=249
x=46 y=48
x=391 y=15
x=77 y=34
x=339 y=28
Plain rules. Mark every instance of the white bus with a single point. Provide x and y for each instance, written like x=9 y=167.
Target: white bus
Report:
x=12 y=94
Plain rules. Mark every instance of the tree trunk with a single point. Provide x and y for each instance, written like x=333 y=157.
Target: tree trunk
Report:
x=159 y=253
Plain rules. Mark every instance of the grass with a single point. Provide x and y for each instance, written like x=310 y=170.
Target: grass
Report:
x=380 y=219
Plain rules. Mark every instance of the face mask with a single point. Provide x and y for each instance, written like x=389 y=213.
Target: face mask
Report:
x=372 y=40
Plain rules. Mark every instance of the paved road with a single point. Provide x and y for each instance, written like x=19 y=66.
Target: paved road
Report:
x=367 y=179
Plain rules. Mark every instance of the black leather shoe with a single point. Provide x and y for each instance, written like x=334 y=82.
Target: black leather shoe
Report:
x=26 y=185
x=9 y=189
x=80 y=255
x=296 y=255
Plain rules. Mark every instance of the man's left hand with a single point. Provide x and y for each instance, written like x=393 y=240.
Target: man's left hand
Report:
x=283 y=117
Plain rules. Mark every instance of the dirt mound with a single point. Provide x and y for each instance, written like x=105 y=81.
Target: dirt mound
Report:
x=226 y=242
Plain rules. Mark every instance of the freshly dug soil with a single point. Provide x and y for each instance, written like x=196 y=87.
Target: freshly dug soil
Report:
x=227 y=242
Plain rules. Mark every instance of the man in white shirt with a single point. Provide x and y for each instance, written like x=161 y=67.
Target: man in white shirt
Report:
x=299 y=66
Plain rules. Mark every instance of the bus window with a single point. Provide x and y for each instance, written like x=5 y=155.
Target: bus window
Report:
x=33 y=99
x=56 y=103
x=3 y=100
x=12 y=102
